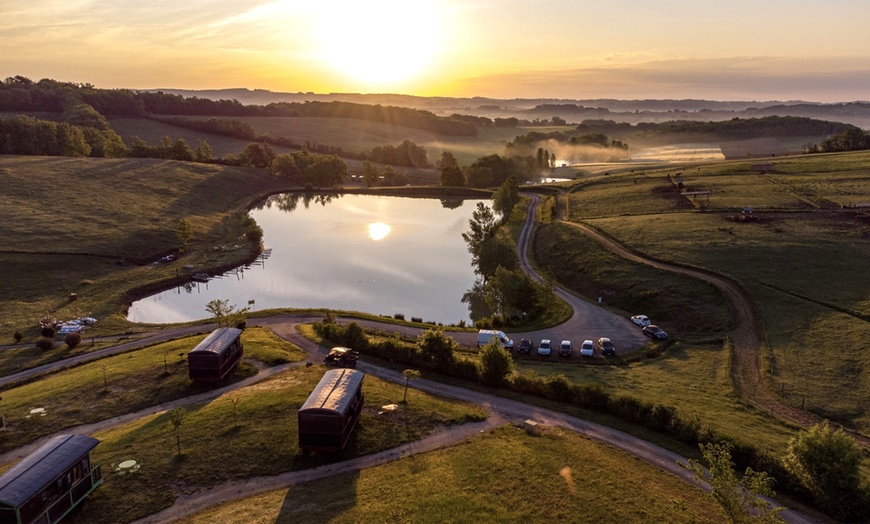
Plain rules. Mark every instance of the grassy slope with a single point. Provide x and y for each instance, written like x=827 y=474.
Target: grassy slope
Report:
x=804 y=269
x=502 y=476
x=122 y=384
x=254 y=436
x=72 y=222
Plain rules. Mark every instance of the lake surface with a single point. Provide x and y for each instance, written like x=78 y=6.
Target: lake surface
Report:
x=375 y=254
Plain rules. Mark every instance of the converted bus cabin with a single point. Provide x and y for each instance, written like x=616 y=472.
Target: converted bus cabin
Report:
x=332 y=410
x=50 y=482
x=213 y=358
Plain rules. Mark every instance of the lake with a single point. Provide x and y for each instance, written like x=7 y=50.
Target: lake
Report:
x=375 y=254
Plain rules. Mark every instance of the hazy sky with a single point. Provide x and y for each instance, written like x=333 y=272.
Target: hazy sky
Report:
x=726 y=50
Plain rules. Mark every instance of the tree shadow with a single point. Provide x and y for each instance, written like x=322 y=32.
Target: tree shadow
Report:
x=335 y=496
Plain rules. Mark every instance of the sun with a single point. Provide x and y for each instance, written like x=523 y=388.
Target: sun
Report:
x=379 y=43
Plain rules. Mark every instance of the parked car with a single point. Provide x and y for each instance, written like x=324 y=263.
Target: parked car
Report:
x=544 y=348
x=525 y=346
x=341 y=357
x=606 y=346
x=654 y=332
x=587 y=348
x=641 y=320
x=565 y=349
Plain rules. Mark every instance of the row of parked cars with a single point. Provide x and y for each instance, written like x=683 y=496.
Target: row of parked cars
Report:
x=566 y=348
x=648 y=328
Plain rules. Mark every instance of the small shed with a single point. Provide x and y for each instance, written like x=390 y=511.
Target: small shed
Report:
x=216 y=356
x=328 y=417
x=49 y=482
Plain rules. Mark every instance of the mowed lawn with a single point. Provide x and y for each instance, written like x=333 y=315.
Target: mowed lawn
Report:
x=502 y=476
x=246 y=433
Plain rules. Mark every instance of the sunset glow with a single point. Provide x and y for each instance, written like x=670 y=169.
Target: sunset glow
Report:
x=379 y=230
x=742 y=50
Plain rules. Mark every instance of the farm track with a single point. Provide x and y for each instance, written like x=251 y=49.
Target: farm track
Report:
x=501 y=411
x=747 y=339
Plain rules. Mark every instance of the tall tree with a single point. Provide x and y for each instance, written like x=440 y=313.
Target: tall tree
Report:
x=481 y=226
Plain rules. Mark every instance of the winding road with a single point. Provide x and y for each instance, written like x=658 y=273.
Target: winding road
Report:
x=587 y=320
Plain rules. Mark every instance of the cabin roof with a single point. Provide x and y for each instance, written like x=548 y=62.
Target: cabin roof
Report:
x=218 y=340
x=26 y=479
x=334 y=391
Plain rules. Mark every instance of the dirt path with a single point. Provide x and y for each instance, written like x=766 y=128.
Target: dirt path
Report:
x=747 y=337
x=501 y=411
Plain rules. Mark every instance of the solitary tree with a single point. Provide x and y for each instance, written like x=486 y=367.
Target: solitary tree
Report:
x=740 y=498
x=409 y=374
x=185 y=233
x=177 y=416
x=224 y=313
x=370 y=174
x=437 y=348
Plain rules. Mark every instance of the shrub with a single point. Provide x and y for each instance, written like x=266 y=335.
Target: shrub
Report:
x=399 y=316
x=18 y=337
x=461 y=368
x=630 y=409
x=47 y=332
x=496 y=364
x=418 y=320
x=354 y=337
x=591 y=396
x=45 y=343
x=72 y=340
x=558 y=388
x=528 y=383
x=437 y=349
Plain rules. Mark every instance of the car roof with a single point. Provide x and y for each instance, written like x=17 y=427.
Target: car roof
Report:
x=604 y=339
x=566 y=341
x=547 y=340
x=587 y=341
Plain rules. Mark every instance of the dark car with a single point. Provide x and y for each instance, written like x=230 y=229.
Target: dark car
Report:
x=654 y=332
x=565 y=348
x=526 y=346
x=341 y=357
x=606 y=346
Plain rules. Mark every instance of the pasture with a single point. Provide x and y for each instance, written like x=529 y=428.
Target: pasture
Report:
x=802 y=259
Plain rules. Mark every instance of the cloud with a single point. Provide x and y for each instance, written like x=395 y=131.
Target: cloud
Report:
x=745 y=78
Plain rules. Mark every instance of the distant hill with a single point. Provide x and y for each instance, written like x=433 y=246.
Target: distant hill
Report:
x=574 y=111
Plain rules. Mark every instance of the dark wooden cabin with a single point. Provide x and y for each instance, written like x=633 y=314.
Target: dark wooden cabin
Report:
x=332 y=410
x=218 y=354
x=49 y=482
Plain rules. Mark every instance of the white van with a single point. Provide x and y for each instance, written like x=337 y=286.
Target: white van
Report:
x=485 y=336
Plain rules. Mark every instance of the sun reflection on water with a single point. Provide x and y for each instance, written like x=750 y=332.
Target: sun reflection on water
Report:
x=379 y=230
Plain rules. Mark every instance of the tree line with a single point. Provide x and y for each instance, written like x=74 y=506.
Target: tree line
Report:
x=19 y=93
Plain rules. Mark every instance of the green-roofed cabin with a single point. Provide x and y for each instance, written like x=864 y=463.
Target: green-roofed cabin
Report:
x=216 y=356
x=49 y=482
x=332 y=410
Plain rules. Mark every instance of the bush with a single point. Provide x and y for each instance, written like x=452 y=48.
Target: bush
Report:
x=437 y=349
x=496 y=364
x=528 y=383
x=47 y=332
x=399 y=316
x=591 y=396
x=45 y=343
x=558 y=388
x=461 y=368
x=630 y=409
x=72 y=340
x=18 y=337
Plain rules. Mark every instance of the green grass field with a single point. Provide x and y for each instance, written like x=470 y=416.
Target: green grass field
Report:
x=255 y=435
x=122 y=384
x=502 y=476
x=93 y=227
x=802 y=260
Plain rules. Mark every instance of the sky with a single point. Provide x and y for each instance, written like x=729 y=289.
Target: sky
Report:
x=573 y=49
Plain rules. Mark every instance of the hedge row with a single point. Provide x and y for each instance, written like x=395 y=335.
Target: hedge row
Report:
x=658 y=417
